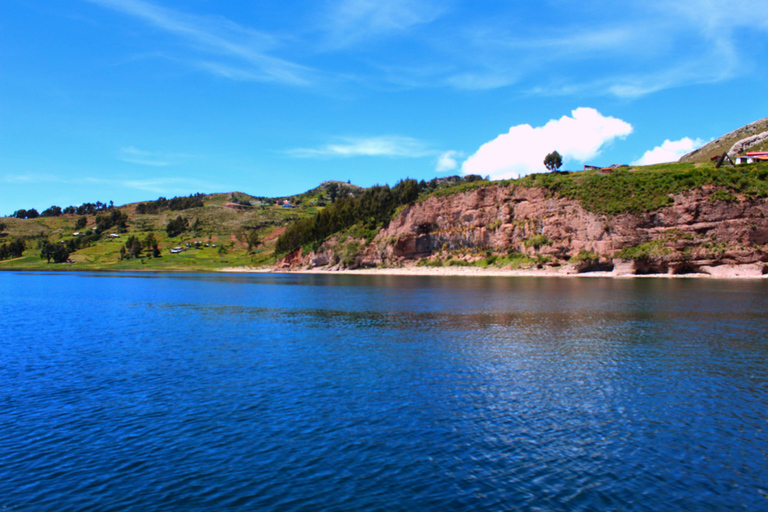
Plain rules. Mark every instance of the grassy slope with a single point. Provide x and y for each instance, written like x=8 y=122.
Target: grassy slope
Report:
x=216 y=224
x=724 y=143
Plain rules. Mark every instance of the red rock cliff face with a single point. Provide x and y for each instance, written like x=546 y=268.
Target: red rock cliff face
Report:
x=693 y=233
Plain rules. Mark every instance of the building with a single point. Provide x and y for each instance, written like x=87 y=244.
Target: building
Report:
x=754 y=156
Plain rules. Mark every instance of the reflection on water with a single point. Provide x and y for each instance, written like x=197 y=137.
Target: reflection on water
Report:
x=211 y=392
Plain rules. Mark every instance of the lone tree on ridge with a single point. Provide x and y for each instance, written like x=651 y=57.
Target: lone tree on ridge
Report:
x=553 y=161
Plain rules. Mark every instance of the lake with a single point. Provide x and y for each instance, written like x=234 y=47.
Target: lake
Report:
x=336 y=392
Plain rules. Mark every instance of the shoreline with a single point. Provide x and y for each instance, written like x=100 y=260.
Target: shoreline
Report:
x=724 y=272
x=730 y=272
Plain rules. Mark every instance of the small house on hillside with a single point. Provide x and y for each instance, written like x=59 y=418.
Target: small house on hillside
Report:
x=753 y=156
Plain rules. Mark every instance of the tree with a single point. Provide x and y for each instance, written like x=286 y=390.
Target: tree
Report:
x=81 y=222
x=2 y=227
x=553 y=161
x=151 y=244
x=177 y=226
x=134 y=247
x=333 y=192
x=250 y=237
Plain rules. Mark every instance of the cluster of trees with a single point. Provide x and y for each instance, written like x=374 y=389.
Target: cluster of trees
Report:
x=174 y=204
x=115 y=219
x=26 y=214
x=56 y=211
x=177 y=226
x=425 y=187
x=134 y=247
x=373 y=208
x=59 y=252
x=53 y=211
x=13 y=249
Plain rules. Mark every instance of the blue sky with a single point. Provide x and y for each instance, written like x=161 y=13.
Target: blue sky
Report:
x=127 y=100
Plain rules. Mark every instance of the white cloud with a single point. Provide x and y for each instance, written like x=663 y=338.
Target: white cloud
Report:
x=447 y=161
x=669 y=151
x=522 y=150
x=388 y=145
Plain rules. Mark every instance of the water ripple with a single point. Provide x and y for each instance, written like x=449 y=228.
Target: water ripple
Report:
x=185 y=392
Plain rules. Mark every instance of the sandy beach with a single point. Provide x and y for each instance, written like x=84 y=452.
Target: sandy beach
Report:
x=721 y=272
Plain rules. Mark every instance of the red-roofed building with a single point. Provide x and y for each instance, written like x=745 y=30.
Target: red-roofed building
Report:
x=754 y=156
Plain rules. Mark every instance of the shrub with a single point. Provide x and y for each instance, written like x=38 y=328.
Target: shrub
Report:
x=585 y=257
x=493 y=226
x=654 y=248
x=536 y=241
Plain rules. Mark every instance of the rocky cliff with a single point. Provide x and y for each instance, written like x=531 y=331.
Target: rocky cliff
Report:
x=529 y=227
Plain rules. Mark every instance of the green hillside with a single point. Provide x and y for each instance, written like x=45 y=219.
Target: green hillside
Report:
x=228 y=229
x=725 y=143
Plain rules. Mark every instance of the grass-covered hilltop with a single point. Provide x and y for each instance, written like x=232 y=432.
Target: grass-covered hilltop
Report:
x=701 y=214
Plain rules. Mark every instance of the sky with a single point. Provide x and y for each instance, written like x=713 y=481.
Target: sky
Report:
x=129 y=100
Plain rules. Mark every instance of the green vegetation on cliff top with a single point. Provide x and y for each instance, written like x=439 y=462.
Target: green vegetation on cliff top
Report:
x=637 y=189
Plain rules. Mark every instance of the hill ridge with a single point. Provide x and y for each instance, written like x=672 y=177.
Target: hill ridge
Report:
x=727 y=142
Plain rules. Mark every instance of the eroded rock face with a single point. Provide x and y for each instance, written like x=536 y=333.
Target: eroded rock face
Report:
x=292 y=260
x=693 y=233
x=745 y=144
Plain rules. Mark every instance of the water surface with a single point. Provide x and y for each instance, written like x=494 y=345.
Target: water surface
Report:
x=302 y=392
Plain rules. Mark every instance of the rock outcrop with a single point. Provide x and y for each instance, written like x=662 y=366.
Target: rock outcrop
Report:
x=694 y=234
x=746 y=143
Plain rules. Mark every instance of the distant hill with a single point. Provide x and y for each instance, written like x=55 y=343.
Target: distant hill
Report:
x=726 y=143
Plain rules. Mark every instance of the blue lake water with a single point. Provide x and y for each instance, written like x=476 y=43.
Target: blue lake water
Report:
x=295 y=392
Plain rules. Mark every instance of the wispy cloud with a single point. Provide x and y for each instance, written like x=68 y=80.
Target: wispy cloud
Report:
x=649 y=46
x=230 y=50
x=162 y=185
x=348 y=22
x=30 y=178
x=631 y=50
x=134 y=155
x=386 y=146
